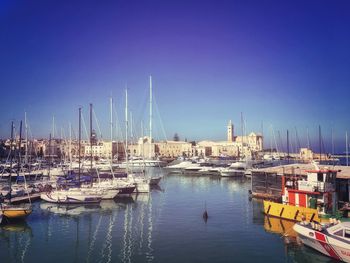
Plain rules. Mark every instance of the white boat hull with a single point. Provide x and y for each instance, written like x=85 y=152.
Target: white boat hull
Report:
x=231 y=173
x=70 y=197
x=331 y=246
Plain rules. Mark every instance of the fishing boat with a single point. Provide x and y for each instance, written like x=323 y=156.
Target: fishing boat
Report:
x=311 y=196
x=332 y=239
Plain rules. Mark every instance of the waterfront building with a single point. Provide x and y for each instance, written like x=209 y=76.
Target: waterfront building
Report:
x=235 y=146
x=105 y=149
x=171 y=149
x=174 y=149
x=253 y=141
x=143 y=148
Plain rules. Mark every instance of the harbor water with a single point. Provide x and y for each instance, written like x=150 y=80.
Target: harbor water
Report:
x=164 y=226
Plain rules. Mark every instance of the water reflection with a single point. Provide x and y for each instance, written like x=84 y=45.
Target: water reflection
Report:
x=163 y=226
x=295 y=251
x=69 y=210
x=16 y=237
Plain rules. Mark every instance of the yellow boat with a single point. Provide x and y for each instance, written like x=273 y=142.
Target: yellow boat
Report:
x=16 y=211
x=290 y=212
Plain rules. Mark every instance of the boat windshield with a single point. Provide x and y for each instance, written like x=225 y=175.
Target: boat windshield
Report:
x=347 y=233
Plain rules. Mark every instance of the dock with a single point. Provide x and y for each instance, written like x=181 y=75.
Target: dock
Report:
x=24 y=199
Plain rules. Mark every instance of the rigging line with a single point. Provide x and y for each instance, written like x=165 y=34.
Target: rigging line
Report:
x=274 y=137
x=121 y=133
x=280 y=141
x=85 y=129
x=160 y=117
x=308 y=138
x=74 y=134
x=31 y=138
x=297 y=137
x=291 y=144
x=97 y=122
x=118 y=124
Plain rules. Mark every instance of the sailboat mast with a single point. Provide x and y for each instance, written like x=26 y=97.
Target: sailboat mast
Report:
x=79 y=142
x=53 y=126
x=242 y=132
x=288 y=146
x=319 y=141
x=142 y=135
x=111 y=123
x=11 y=159
x=90 y=137
x=150 y=115
x=26 y=131
x=126 y=130
x=346 y=148
x=70 y=145
x=19 y=149
x=49 y=155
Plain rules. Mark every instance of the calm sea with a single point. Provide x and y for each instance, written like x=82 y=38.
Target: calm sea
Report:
x=163 y=226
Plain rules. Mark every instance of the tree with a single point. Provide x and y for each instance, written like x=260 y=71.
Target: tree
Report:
x=176 y=137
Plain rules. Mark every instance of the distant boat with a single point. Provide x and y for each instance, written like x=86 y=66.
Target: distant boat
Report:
x=232 y=172
x=142 y=163
x=178 y=167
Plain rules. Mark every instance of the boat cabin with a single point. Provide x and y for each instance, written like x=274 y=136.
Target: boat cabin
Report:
x=315 y=190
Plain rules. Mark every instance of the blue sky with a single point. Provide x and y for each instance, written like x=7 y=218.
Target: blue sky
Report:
x=283 y=63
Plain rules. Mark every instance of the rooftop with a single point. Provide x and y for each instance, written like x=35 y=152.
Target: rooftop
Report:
x=302 y=168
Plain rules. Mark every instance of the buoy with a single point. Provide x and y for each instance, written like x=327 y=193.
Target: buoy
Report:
x=205 y=214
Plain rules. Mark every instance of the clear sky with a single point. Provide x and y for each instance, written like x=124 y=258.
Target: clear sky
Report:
x=283 y=63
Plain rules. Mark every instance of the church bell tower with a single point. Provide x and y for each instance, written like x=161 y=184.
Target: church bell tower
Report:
x=230 y=132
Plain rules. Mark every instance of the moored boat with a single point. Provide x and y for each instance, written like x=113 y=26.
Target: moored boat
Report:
x=11 y=211
x=332 y=239
x=8 y=210
x=155 y=180
x=71 y=196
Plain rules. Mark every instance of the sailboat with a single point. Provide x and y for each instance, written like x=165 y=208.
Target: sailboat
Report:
x=142 y=162
x=141 y=183
x=9 y=210
x=76 y=195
